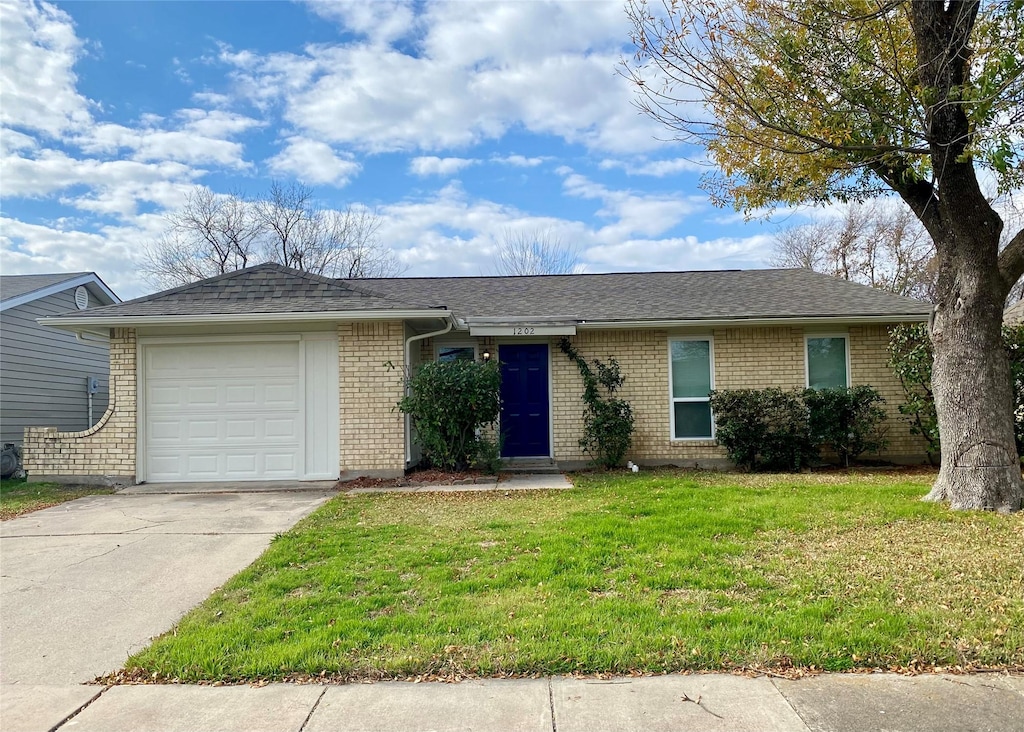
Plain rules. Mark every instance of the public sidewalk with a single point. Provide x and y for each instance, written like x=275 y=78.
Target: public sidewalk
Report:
x=698 y=703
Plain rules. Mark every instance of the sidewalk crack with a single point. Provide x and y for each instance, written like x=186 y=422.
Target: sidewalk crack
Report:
x=309 y=716
x=789 y=704
x=551 y=705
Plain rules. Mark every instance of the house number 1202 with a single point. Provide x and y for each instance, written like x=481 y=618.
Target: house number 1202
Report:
x=522 y=330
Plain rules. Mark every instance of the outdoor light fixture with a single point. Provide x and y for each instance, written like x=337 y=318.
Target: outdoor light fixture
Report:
x=487 y=355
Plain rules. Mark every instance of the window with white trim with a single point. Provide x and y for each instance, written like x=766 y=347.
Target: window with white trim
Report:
x=455 y=352
x=828 y=364
x=692 y=379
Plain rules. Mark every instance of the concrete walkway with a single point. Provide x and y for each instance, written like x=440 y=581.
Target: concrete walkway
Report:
x=699 y=703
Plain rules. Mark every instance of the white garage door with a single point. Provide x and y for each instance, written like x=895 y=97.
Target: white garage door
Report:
x=223 y=411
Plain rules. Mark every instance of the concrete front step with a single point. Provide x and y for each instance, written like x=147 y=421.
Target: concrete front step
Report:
x=529 y=465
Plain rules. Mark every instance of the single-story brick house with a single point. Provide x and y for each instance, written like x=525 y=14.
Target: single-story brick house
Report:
x=269 y=373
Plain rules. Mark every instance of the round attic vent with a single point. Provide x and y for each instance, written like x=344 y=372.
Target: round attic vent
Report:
x=82 y=298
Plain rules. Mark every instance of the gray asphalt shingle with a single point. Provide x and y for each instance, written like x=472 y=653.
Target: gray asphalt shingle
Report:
x=16 y=285
x=266 y=288
x=653 y=295
x=633 y=296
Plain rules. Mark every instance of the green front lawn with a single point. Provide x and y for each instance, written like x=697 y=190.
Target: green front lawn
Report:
x=18 y=497
x=655 y=572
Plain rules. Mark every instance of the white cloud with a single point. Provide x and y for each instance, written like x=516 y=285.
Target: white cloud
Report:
x=462 y=73
x=113 y=252
x=37 y=57
x=51 y=171
x=630 y=213
x=682 y=253
x=519 y=161
x=313 y=162
x=430 y=165
x=382 y=21
x=657 y=168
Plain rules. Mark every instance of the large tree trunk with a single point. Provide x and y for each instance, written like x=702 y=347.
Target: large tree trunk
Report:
x=972 y=385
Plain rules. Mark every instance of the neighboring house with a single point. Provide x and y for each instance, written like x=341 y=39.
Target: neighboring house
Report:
x=270 y=373
x=44 y=372
x=1014 y=314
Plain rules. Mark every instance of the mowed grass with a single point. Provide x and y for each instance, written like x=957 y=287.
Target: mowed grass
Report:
x=19 y=497
x=653 y=572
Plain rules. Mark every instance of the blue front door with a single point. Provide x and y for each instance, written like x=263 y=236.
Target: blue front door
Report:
x=524 y=400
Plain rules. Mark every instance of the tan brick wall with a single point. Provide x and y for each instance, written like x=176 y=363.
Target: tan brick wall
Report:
x=745 y=358
x=756 y=358
x=372 y=431
x=107 y=449
x=643 y=358
x=868 y=365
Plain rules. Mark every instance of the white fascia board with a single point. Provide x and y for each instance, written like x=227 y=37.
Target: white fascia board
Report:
x=86 y=279
x=526 y=329
x=123 y=321
x=732 y=322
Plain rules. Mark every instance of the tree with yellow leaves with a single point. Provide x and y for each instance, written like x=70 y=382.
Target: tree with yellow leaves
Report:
x=819 y=101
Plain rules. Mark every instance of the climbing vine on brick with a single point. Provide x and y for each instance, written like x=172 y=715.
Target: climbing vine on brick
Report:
x=608 y=420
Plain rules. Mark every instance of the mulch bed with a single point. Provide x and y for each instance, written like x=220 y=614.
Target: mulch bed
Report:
x=419 y=478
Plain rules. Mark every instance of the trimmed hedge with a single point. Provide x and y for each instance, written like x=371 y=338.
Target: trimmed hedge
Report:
x=772 y=429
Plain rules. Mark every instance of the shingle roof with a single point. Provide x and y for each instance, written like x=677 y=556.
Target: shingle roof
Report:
x=634 y=296
x=748 y=294
x=266 y=288
x=16 y=285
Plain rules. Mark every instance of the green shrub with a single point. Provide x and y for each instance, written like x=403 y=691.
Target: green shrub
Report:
x=910 y=358
x=488 y=454
x=608 y=420
x=763 y=429
x=449 y=403
x=849 y=421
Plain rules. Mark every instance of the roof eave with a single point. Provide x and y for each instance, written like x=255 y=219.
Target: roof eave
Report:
x=85 y=323
x=755 y=321
x=87 y=279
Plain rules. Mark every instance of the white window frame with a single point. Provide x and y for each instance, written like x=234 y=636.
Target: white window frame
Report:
x=672 y=399
x=807 y=360
x=456 y=344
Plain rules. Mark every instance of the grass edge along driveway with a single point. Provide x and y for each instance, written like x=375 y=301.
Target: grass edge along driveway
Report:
x=656 y=572
x=18 y=497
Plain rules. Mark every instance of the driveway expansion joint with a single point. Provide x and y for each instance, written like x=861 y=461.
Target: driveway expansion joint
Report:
x=80 y=709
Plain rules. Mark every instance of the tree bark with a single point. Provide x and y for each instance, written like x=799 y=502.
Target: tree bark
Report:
x=972 y=385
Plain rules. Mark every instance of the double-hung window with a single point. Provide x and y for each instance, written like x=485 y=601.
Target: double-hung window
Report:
x=828 y=361
x=692 y=377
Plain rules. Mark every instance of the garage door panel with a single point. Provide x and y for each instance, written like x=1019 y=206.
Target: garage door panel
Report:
x=215 y=429
x=203 y=429
x=201 y=397
x=223 y=411
x=240 y=429
x=160 y=395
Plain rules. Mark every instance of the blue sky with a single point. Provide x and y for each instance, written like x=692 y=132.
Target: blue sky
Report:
x=456 y=122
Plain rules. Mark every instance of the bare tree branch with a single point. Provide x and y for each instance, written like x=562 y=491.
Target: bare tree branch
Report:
x=212 y=234
x=535 y=253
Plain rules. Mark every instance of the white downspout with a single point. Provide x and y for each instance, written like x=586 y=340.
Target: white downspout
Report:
x=408 y=358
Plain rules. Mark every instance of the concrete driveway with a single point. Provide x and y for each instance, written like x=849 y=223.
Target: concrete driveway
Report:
x=87 y=583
